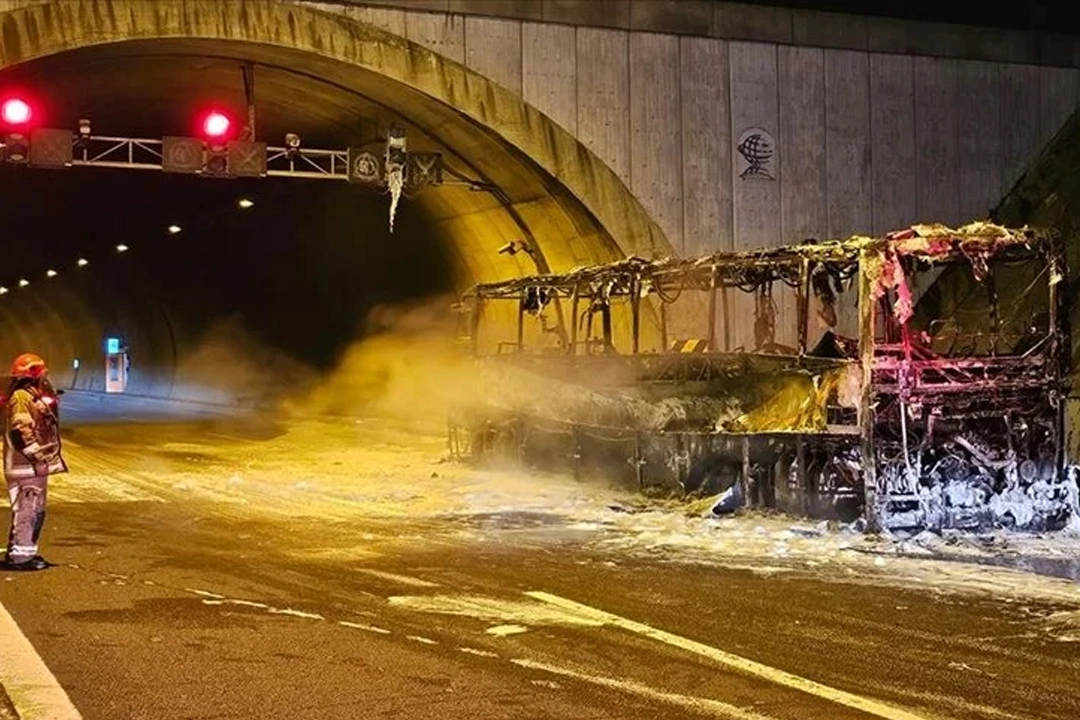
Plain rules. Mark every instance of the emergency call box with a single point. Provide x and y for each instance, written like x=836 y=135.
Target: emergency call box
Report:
x=116 y=366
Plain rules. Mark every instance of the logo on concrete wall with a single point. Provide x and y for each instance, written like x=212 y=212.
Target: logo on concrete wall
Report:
x=756 y=151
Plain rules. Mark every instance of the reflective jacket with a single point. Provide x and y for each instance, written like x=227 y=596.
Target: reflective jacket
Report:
x=31 y=435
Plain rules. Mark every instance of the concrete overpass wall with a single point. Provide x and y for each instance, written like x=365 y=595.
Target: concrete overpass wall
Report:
x=878 y=123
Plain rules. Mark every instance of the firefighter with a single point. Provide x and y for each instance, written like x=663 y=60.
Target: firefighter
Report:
x=31 y=454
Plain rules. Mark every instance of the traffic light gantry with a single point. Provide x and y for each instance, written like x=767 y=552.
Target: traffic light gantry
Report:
x=220 y=152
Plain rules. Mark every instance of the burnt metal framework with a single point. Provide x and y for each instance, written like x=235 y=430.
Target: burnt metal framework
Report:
x=924 y=415
x=635 y=279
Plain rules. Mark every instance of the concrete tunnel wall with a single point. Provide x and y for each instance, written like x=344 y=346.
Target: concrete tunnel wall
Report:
x=68 y=319
x=584 y=216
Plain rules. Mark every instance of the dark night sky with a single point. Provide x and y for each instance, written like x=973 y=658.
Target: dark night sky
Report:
x=1058 y=17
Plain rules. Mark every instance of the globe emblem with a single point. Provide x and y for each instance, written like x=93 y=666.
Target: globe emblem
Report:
x=757 y=149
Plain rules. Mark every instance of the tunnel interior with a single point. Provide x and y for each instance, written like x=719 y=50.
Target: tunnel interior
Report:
x=279 y=288
x=251 y=300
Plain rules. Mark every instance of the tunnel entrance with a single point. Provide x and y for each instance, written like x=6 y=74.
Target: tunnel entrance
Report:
x=264 y=282
x=298 y=270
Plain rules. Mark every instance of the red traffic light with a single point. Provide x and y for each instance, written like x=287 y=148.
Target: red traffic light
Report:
x=15 y=111
x=216 y=125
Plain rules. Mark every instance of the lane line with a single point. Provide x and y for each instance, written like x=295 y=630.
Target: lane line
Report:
x=736 y=662
x=394 y=577
x=422 y=639
x=26 y=679
x=689 y=702
x=363 y=626
x=478 y=652
x=294 y=613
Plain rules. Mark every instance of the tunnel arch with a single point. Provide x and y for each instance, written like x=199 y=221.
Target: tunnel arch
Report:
x=470 y=110
x=552 y=190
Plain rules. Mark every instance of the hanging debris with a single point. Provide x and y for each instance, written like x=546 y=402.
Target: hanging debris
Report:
x=396 y=160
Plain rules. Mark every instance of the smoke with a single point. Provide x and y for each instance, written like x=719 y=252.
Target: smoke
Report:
x=231 y=365
x=408 y=365
x=405 y=366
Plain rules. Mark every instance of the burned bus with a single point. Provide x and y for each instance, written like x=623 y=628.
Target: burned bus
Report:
x=831 y=379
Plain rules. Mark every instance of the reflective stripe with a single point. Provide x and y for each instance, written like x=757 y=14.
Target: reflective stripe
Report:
x=30 y=550
x=22 y=416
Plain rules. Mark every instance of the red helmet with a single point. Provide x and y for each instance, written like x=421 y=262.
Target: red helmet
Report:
x=28 y=365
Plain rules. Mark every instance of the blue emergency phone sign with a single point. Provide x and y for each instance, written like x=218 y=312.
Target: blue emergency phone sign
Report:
x=112 y=346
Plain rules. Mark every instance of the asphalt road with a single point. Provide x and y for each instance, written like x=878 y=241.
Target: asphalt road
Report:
x=198 y=580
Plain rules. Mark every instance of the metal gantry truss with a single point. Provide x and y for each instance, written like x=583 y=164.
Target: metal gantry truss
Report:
x=59 y=148
x=146 y=154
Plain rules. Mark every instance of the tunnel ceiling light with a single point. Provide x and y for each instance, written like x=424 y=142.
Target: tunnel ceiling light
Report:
x=244 y=203
x=24 y=282
x=121 y=248
x=174 y=229
x=82 y=262
x=3 y=290
x=50 y=273
x=16 y=111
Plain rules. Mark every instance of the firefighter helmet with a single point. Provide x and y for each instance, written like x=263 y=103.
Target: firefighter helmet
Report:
x=28 y=365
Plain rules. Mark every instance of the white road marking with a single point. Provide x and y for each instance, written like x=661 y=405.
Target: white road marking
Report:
x=735 y=662
x=422 y=639
x=519 y=612
x=403 y=579
x=249 y=603
x=362 y=626
x=689 y=702
x=547 y=683
x=504 y=630
x=243 y=603
x=205 y=593
x=26 y=679
x=478 y=653
x=210 y=598
x=295 y=613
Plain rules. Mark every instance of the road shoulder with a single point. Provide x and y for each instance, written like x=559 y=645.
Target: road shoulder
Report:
x=26 y=683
